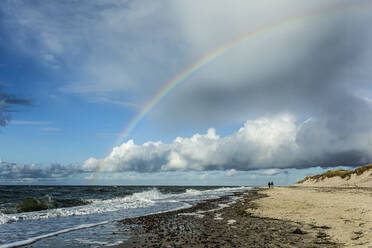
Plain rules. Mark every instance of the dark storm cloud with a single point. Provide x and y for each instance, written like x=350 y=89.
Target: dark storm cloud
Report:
x=14 y=171
x=320 y=81
x=311 y=83
x=10 y=103
x=316 y=82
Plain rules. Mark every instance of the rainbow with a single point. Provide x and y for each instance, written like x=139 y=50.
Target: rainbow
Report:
x=205 y=60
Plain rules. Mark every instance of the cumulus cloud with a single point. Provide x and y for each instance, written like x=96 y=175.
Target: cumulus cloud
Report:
x=276 y=142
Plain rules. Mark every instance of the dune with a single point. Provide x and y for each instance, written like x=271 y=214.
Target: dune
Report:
x=360 y=177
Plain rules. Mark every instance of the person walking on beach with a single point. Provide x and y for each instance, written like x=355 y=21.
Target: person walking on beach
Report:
x=272 y=184
x=269 y=184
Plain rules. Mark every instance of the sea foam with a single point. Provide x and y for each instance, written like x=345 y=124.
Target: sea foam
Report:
x=136 y=200
x=99 y=212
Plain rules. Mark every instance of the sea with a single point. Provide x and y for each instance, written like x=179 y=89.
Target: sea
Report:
x=87 y=216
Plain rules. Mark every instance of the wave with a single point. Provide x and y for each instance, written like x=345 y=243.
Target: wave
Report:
x=149 y=195
x=152 y=200
x=34 y=239
x=136 y=200
x=214 y=193
x=47 y=202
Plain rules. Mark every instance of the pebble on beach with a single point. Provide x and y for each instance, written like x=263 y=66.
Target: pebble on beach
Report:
x=228 y=226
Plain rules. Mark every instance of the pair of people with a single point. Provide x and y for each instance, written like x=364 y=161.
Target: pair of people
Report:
x=270 y=184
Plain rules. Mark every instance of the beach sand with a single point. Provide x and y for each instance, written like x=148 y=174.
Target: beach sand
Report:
x=344 y=213
x=222 y=223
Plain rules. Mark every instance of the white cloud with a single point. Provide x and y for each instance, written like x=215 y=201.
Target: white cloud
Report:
x=41 y=123
x=102 y=99
x=231 y=172
x=92 y=164
x=271 y=172
x=272 y=143
x=89 y=177
x=367 y=99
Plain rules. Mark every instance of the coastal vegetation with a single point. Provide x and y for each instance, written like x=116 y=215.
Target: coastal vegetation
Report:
x=344 y=174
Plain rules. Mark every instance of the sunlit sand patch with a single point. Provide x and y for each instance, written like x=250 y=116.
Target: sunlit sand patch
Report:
x=346 y=212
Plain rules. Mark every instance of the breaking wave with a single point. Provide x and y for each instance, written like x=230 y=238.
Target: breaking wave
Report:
x=19 y=228
x=32 y=207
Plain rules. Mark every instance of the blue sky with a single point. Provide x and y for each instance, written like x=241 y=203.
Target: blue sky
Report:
x=289 y=102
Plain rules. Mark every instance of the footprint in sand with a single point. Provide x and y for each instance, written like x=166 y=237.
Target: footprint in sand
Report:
x=357 y=235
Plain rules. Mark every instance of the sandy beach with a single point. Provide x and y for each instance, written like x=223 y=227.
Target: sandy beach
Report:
x=344 y=213
x=223 y=222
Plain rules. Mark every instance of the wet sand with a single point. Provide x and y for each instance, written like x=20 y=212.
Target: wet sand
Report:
x=222 y=223
x=346 y=213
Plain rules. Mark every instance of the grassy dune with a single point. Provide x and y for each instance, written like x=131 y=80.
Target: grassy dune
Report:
x=345 y=174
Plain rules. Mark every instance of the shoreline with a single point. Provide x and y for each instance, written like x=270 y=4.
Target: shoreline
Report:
x=223 y=222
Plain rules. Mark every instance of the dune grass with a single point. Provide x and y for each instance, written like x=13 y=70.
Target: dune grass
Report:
x=337 y=173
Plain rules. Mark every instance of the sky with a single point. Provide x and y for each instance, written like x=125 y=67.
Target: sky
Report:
x=183 y=92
